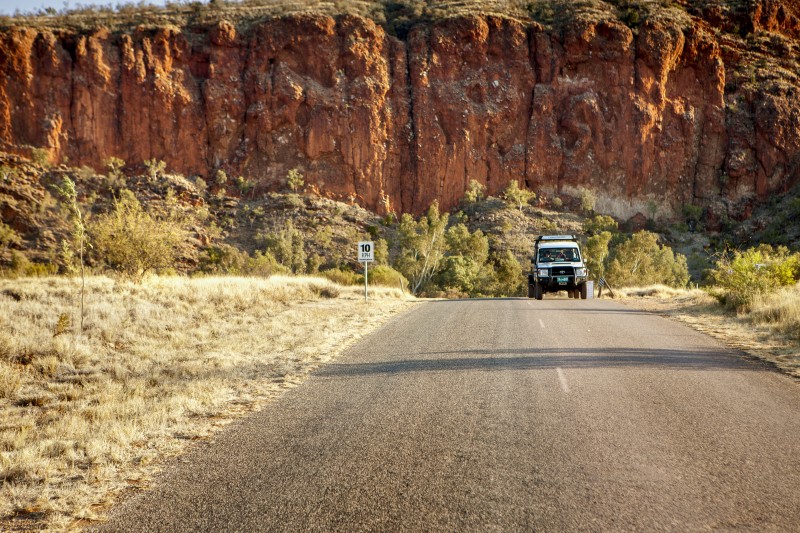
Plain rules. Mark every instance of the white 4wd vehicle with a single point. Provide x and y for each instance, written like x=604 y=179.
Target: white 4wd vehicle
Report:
x=557 y=265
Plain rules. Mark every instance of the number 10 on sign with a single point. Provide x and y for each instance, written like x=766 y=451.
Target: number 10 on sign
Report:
x=366 y=253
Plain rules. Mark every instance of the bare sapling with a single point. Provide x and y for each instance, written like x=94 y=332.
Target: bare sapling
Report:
x=69 y=194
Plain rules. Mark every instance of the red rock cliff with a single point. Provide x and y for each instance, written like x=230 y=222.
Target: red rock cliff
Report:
x=649 y=121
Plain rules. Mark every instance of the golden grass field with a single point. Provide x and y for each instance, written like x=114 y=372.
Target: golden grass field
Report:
x=84 y=417
x=769 y=331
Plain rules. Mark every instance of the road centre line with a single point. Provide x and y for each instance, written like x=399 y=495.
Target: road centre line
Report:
x=563 y=380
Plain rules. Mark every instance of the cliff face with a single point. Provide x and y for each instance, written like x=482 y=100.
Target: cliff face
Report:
x=649 y=121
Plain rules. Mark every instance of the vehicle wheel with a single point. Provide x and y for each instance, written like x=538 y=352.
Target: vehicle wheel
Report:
x=531 y=291
x=538 y=293
x=575 y=293
x=584 y=291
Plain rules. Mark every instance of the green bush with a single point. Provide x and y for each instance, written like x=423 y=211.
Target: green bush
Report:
x=386 y=276
x=742 y=275
x=21 y=266
x=343 y=277
x=476 y=191
x=598 y=224
x=514 y=196
x=508 y=277
x=294 y=180
x=641 y=261
x=288 y=247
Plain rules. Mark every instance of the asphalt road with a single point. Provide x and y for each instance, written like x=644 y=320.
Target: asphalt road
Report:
x=504 y=415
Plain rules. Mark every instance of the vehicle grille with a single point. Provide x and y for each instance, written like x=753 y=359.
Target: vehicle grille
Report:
x=563 y=271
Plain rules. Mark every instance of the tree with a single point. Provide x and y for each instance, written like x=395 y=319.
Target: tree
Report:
x=132 y=241
x=596 y=252
x=422 y=246
x=464 y=268
x=641 y=261
x=513 y=195
x=70 y=195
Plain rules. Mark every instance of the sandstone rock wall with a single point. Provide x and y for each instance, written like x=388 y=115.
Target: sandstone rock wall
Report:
x=645 y=120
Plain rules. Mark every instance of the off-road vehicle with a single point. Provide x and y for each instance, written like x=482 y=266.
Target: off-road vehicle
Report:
x=557 y=265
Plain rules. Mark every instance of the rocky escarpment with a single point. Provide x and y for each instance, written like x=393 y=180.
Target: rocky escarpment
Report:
x=652 y=118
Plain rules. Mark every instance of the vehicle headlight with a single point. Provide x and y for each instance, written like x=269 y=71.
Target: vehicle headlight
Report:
x=543 y=272
x=580 y=272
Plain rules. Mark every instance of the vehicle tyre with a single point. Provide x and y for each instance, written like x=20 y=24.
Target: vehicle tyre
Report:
x=531 y=291
x=584 y=291
x=538 y=292
x=575 y=293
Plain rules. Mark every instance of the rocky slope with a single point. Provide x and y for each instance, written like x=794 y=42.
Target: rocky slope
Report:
x=652 y=109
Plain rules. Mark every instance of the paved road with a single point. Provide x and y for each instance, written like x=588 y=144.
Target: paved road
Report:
x=504 y=415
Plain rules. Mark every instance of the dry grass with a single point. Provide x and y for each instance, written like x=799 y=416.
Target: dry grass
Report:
x=159 y=364
x=770 y=331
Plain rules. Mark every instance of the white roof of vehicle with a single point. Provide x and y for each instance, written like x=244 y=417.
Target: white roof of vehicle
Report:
x=558 y=244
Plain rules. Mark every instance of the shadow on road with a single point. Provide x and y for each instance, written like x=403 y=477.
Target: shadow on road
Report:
x=551 y=304
x=537 y=359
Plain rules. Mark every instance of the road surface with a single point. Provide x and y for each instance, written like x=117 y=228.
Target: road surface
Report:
x=504 y=415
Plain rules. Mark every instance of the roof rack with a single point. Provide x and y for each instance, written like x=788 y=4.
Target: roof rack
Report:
x=556 y=238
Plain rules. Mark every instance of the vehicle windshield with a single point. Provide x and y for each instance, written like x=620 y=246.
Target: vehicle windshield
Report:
x=553 y=255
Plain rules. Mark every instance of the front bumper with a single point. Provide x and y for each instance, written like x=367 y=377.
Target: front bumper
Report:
x=558 y=283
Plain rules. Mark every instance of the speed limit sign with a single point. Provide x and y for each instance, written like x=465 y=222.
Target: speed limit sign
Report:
x=366 y=251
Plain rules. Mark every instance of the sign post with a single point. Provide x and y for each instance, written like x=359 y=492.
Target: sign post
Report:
x=366 y=253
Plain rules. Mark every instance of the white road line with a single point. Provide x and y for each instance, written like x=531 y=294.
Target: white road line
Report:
x=563 y=380
x=541 y=323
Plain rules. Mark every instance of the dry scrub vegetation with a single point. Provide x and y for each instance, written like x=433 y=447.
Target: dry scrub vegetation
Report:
x=769 y=329
x=158 y=364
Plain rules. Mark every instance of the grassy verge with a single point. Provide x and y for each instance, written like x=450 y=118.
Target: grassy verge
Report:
x=86 y=416
x=769 y=331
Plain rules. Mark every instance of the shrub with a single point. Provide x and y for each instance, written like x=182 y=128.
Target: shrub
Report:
x=288 y=247
x=294 y=180
x=220 y=177
x=508 y=278
x=201 y=185
x=514 y=196
x=599 y=224
x=743 y=275
x=244 y=185
x=692 y=214
x=588 y=200
x=41 y=156
x=133 y=242
x=342 y=277
x=386 y=276
x=227 y=259
x=20 y=265
x=475 y=192
x=154 y=167
x=8 y=237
